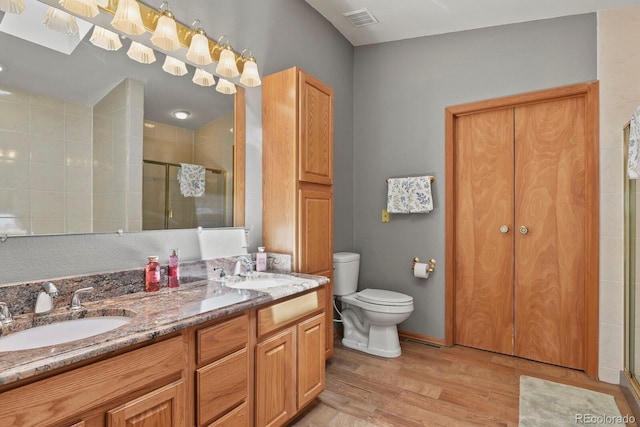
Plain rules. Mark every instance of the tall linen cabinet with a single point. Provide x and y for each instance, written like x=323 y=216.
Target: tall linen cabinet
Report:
x=297 y=174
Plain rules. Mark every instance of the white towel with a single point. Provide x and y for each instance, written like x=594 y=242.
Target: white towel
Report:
x=398 y=195
x=420 y=200
x=191 y=179
x=633 y=159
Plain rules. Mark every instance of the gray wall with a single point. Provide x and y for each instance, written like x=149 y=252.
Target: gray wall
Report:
x=401 y=91
x=281 y=34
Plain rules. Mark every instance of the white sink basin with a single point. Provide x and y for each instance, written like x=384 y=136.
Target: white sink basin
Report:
x=61 y=332
x=257 y=284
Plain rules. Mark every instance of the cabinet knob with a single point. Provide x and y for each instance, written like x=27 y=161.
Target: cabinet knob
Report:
x=504 y=229
x=523 y=229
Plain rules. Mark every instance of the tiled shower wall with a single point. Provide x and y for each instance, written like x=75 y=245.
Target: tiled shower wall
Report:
x=45 y=164
x=117 y=159
x=618 y=71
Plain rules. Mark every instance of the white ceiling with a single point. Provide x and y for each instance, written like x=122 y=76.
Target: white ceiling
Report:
x=405 y=19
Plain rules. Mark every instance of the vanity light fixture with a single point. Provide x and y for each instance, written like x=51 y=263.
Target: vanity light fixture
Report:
x=226 y=87
x=165 y=35
x=127 y=18
x=12 y=6
x=174 y=66
x=203 y=78
x=199 y=52
x=105 y=39
x=86 y=8
x=58 y=20
x=227 y=64
x=250 y=76
x=181 y=115
x=141 y=53
x=2 y=68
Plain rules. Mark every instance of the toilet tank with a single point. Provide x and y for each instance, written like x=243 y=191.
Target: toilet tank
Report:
x=346 y=266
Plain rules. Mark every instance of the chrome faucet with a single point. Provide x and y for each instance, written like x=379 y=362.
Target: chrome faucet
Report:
x=5 y=314
x=243 y=260
x=75 y=299
x=44 y=303
x=221 y=270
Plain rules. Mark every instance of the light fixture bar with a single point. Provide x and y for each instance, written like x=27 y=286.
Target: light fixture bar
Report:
x=150 y=18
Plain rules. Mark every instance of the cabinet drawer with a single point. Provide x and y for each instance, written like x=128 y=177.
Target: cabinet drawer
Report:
x=281 y=314
x=236 y=418
x=221 y=385
x=221 y=339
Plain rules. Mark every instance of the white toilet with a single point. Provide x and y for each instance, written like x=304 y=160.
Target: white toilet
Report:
x=370 y=317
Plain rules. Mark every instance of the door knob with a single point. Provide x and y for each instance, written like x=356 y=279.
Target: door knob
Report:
x=504 y=229
x=523 y=229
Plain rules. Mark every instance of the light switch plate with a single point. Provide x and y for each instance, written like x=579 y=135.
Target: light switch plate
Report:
x=385 y=215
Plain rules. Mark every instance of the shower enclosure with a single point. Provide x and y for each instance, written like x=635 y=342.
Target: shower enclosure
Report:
x=164 y=207
x=631 y=290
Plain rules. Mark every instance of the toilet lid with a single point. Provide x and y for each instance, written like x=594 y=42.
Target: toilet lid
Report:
x=381 y=296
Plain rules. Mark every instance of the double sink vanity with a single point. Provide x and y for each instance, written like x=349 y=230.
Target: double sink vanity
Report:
x=234 y=351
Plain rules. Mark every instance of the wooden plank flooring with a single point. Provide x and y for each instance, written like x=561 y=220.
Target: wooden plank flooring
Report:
x=429 y=386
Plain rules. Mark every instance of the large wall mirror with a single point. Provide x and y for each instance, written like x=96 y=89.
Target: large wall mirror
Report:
x=89 y=141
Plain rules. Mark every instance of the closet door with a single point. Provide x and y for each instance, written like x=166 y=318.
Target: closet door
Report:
x=550 y=217
x=483 y=248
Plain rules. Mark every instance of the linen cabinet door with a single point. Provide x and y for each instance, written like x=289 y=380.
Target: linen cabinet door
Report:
x=316 y=131
x=315 y=224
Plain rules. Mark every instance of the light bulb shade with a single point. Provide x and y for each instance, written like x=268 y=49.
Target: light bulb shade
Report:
x=127 y=18
x=203 y=78
x=12 y=6
x=58 y=20
x=86 y=8
x=141 y=53
x=166 y=34
x=105 y=39
x=250 y=76
x=174 y=66
x=227 y=65
x=226 y=87
x=198 y=52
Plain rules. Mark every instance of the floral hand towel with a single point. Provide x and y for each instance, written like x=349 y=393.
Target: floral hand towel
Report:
x=398 y=195
x=420 y=200
x=633 y=161
x=191 y=179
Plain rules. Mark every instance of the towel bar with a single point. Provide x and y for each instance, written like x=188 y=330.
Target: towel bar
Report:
x=432 y=179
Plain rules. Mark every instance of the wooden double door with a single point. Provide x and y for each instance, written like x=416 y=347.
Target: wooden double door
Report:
x=522 y=242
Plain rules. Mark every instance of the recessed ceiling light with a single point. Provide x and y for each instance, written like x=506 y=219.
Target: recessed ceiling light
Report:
x=181 y=115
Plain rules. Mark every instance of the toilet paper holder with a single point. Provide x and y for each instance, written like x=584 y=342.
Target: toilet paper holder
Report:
x=432 y=264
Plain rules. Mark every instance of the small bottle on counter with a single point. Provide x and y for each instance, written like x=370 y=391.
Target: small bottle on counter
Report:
x=174 y=268
x=261 y=259
x=152 y=275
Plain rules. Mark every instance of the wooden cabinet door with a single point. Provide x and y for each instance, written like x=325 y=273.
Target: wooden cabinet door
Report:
x=315 y=114
x=311 y=359
x=484 y=254
x=315 y=230
x=163 y=407
x=275 y=401
x=550 y=267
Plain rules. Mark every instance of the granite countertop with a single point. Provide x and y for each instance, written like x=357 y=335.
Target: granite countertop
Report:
x=154 y=314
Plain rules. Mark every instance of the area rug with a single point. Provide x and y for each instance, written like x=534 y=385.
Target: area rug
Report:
x=545 y=403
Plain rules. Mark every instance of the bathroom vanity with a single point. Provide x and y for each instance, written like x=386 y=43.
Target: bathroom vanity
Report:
x=207 y=355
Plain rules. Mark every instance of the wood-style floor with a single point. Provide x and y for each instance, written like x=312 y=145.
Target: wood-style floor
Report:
x=429 y=386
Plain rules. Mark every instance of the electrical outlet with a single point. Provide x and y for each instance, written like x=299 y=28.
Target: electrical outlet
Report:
x=385 y=215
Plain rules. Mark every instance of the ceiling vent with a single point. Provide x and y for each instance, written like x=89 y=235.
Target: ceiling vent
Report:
x=360 y=17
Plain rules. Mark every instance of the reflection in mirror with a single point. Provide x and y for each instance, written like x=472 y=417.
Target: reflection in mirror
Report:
x=81 y=128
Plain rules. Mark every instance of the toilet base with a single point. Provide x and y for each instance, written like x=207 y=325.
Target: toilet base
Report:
x=383 y=341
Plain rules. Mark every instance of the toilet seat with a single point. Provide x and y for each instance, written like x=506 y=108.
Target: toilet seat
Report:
x=384 y=297
x=378 y=307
